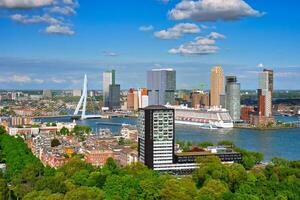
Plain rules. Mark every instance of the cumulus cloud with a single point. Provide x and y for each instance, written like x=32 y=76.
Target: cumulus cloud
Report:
x=55 y=14
x=24 y=19
x=146 y=28
x=71 y=2
x=67 y=10
x=199 y=46
x=58 y=29
x=177 y=31
x=25 y=3
x=213 y=10
x=215 y=36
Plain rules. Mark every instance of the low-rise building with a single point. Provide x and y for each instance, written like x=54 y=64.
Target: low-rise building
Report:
x=98 y=157
x=127 y=156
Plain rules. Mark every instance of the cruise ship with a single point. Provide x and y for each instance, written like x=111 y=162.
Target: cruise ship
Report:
x=214 y=117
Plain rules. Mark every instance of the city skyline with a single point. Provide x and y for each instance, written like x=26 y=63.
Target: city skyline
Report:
x=52 y=46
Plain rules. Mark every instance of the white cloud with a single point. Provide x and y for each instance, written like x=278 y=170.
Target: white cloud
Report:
x=63 y=10
x=59 y=30
x=39 y=81
x=71 y=2
x=261 y=65
x=24 y=19
x=212 y=10
x=109 y=53
x=58 y=81
x=199 y=46
x=20 y=79
x=25 y=3
x=16 y=78
x=215 y=36
x=56 y=24
x=146 y=28
x=177 y=31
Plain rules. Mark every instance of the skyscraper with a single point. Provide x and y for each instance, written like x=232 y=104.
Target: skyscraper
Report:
x=156 y=141
x=265 y=92
x=233 y=97
x=108 y=79
x=216 y=85
x=161 y=84
x=143 y=97
x=114 y=97
x=130 y=99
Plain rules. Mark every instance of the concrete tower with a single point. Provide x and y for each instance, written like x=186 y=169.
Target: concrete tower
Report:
x=216 y=85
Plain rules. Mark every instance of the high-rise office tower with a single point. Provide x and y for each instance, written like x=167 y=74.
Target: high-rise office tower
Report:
x=156 y=141
x=161 y=84
x=130 y=99
x=216 y=85
x=233 y=97
x=114 y=97
x=265 y=92
x=143 y=97
x=108 y=79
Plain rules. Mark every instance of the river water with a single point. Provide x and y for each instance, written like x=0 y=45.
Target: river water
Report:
x=283 y=143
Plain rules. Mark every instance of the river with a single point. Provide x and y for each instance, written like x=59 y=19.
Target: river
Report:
x=283 y=143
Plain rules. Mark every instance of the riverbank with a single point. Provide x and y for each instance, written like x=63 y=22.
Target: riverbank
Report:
x=265 y=128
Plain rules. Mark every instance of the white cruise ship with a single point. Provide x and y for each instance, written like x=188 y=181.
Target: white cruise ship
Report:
x=215 y=117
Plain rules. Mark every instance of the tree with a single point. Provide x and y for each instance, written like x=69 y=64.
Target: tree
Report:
x=86 y=193
x=3 y=189
x=81 y=130
x=212 y=189
x=43 y=195
x=64 y=131
x=226 y=143
x=181 y=189
x=205 y=144
x=2 y=130
x=55 y=142
x=210 y=168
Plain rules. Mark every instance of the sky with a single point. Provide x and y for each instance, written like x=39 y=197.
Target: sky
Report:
x=51 y=44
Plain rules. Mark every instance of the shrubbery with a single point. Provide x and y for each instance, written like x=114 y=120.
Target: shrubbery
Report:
x=26 y=178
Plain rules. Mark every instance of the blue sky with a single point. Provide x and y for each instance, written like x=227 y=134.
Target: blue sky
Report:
x=52 y=43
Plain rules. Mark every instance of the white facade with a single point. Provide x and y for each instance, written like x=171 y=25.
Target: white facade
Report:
x=264 y=85
x=143 y=99
x=162 y=131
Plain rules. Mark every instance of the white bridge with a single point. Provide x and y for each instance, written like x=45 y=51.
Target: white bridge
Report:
x=82 y=103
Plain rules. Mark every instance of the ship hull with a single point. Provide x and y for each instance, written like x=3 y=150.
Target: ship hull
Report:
x=200 y=124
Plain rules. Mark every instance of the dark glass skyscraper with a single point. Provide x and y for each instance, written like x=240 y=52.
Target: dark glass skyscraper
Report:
x=233 y=97
x=161 y=84
x=114 y=96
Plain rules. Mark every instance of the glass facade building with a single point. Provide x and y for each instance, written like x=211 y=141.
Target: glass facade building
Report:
x=161 y=84
x=233 y=97
x=114 y=97
x=108 y=79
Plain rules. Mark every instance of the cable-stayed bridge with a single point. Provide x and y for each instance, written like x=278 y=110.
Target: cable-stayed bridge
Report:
x=82 y=103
